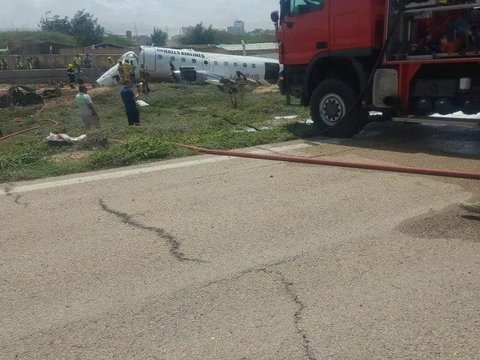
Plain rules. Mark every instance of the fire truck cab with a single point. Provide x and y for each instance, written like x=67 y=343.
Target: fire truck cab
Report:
x=411 y=60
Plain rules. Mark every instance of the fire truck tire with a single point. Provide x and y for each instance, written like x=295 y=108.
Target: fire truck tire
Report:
x=331 y=109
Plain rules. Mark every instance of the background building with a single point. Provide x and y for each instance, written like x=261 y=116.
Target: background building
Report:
x=238 y=28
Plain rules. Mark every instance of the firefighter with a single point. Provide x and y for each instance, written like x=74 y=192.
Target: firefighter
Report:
x=109 y=62
x=77 y=62
x=133 y=68
x=71 y=75
x=127 y=70
x=120 y=72
x=144 y=77
x=19 y=63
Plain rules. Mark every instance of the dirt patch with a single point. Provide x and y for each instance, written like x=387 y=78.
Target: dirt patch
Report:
x=266 y=90
x=71 y=156
x=100 y=91
x=452 y=222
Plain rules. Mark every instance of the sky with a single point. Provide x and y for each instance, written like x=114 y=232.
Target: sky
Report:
x=121 y=15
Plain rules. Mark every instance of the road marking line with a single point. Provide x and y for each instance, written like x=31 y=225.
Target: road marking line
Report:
x=124 y=173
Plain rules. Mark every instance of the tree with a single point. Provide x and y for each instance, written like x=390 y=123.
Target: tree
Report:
x=86 y=29
x=199 y=34
x=159 y=37
x=55 y=24
x=83 y=26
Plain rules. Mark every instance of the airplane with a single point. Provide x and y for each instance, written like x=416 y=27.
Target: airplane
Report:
x=189 y=66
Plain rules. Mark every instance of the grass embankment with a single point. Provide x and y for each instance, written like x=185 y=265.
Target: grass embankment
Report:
x=17 y=39
x=198 y=115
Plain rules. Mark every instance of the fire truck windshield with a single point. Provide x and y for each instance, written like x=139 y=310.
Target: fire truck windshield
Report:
x=298 y=7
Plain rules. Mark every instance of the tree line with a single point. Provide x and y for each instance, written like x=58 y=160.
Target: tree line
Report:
x=84 y=27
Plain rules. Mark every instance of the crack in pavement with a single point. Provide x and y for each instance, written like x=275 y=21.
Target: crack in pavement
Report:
x=251 y=271
x=16 y=196
x=173 y=243
x=298 y=316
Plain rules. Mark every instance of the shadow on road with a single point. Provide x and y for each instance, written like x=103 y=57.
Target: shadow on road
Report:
x=450 y=141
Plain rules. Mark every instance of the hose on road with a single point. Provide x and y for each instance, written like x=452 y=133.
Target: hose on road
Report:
x=339 y=163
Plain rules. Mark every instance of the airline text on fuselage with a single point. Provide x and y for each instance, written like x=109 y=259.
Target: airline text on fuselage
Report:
x=179 y=52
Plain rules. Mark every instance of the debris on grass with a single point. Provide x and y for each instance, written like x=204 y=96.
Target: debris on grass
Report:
x=64 y=138
x=287 y=117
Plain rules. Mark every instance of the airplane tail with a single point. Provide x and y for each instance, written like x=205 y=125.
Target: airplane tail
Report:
x=109 y=77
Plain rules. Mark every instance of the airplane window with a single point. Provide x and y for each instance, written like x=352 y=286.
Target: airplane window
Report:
x=254 y=66
x=205 y=62
x=215 y=63
x=194 y=61
x=235 y=64
x=183 y=59
x=244 y=65
x=172 y=58
x=225 y=63
x=160 y=57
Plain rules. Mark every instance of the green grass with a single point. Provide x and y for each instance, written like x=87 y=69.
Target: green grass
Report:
x=117 y=40
x=20 y=38
x=197 y=115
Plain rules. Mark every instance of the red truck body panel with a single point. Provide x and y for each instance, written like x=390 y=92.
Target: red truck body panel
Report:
x=341 y=25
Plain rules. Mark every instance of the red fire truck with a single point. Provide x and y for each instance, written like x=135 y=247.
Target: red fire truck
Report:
x=413 y=61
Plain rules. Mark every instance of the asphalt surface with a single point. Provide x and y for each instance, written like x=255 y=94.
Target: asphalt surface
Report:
x=220 y=258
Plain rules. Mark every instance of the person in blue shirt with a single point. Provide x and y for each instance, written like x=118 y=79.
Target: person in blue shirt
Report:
x=130 y=101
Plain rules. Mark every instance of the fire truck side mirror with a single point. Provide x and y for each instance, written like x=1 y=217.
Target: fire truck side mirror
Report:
x=275 y=17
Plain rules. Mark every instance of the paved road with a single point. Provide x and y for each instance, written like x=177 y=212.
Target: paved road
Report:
x=218 y=258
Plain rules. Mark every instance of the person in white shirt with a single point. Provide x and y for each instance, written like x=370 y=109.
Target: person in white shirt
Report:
x=88 y=112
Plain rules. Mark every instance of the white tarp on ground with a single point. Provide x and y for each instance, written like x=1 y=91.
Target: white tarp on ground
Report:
x=457 y=115
x=142 y=103
x=64 y=138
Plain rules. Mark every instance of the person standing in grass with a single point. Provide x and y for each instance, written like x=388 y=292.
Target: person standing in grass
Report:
x=88 y=112
x=130 y=101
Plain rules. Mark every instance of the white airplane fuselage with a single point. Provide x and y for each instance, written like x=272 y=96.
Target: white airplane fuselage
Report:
x=157 y=60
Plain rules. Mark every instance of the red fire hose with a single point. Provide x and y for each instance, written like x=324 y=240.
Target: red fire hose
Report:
x=340 y=163
x=19 y=132
x=26 y=130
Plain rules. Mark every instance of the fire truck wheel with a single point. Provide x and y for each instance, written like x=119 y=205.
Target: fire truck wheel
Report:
x=332 y=112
